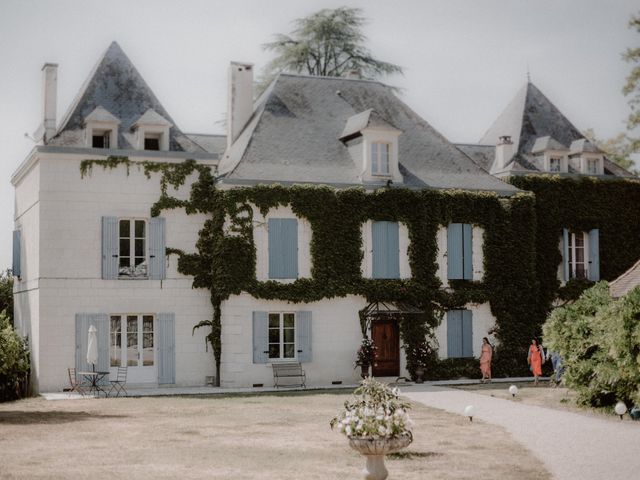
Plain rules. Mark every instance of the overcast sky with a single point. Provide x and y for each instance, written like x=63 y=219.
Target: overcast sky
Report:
x=463 y=60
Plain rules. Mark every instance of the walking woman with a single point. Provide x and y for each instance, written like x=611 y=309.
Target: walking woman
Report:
x=534 y=359
x=485 y=360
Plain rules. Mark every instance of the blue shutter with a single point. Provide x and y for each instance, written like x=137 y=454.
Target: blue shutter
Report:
x=15 y=269
x=467 y=251
x=165 y=325
x=454 y=333
x=467 y=333
x=157 y=247
x=283 y=248
x=260 y=337
x=565 y=254
x=455 y=255
x=386 y=250
x=110 y=248
x=594 y=255
x=303 y=334
x=101 y=322
x=393 y=250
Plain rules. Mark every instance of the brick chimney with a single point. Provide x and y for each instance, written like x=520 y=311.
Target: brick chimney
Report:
x=239 y=100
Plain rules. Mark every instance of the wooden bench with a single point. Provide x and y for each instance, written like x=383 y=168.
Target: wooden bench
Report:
x=288 y=370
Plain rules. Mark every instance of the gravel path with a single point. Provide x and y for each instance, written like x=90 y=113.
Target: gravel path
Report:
x=572 y=446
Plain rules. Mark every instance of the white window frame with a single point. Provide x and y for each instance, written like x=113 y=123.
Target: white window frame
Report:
x=132 y=243
x=107 y=130
x=377 y=158
x=559 y=163
x=281 y=357
x=123 y=340
x=572 y=254
x=592 y=162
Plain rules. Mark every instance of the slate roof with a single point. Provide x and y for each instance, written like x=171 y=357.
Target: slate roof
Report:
x=294 y=137
x=116 y=86
x=209 y=142
x=625 y=282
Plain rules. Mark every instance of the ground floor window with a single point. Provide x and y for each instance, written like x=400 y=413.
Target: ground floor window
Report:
x=282 y=336
x=132 y=340
x=578 y=243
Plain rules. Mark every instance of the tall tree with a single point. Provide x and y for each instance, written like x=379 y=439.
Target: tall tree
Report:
x=327 y=43
x=632 y=86
x=6 y=294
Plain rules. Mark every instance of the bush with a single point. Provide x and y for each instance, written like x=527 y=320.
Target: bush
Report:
x=599 y=341
x=14 y=362
x=453 y=368
x=6 y=293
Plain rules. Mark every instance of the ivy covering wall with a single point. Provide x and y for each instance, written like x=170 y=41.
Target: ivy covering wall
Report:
x=521 y=254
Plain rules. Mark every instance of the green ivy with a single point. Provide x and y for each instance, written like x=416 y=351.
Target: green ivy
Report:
x=521 y=254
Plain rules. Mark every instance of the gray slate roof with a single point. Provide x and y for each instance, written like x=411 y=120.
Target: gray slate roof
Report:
x=625 y=282
x=294 y=136
x=531 y=115
x=210 y=142
x=116 y=86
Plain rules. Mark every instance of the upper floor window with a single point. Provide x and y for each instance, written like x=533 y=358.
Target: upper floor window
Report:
x=592 y=166
x=282 y=336
x=460 y=251
x=100 y=139
x=555 y=164
x=581 y=254
x=152 y=141
x=283 y=248
x=133 y=248
x=380 y=158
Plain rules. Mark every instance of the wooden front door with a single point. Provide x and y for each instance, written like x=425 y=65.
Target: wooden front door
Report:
x=386 y=336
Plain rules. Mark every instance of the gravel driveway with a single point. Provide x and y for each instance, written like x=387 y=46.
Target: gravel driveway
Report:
x=572 y=446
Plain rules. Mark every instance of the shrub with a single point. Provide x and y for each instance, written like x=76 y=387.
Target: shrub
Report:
x=599 y=341
x=14 y=362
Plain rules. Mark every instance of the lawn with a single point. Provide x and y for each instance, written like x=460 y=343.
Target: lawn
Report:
x=284 y=436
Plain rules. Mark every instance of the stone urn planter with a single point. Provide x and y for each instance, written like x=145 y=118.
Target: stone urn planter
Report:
x=419 y=374
x=375 y=449
x=364 y=370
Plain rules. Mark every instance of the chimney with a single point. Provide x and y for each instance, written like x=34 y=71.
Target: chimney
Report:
x=49 y=101
x=504 y=153
x=240 y=99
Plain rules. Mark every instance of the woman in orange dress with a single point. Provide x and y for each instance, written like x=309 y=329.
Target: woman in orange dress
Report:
x=485 y=359
x=534 y=359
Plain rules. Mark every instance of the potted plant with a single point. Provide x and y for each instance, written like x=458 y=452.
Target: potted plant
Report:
x=419 y=356
x=365 y=356
x=376 y=423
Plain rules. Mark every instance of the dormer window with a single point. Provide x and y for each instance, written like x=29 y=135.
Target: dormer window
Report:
x=592 y=166
x=554 y=164
x=551 y=155
x=152 y=141
x=373 y=145
x=101 y=129
x=152 y=131
x=586 y=157
x=380 y=158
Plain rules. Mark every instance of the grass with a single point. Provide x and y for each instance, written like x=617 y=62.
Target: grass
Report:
x=225 y=437
x=543 y=395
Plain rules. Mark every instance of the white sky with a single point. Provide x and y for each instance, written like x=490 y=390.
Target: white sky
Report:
x=463 y=60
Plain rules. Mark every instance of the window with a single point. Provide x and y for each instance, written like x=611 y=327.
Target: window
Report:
x=577 y=254
x=386 y=250
x=152 y=142
x=282 y=336
x=132 y=256
x=283 y=248
x=459 y=334
x=554 y=164
x=592 y=166
x=100 y=139
x=460 y=251
x=136 y=332
x=379 y=158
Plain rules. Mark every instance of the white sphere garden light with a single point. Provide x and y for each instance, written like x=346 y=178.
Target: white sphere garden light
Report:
x=513 y=390
x=470 y=411
x=620 y=409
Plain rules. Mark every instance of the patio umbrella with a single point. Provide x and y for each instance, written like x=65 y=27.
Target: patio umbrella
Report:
x=92 y=348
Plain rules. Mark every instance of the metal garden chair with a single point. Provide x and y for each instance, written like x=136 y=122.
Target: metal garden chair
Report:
x=119 y=383
x=75 y=385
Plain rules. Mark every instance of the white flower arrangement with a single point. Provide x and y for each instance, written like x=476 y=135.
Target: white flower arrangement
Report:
x=375 y=413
